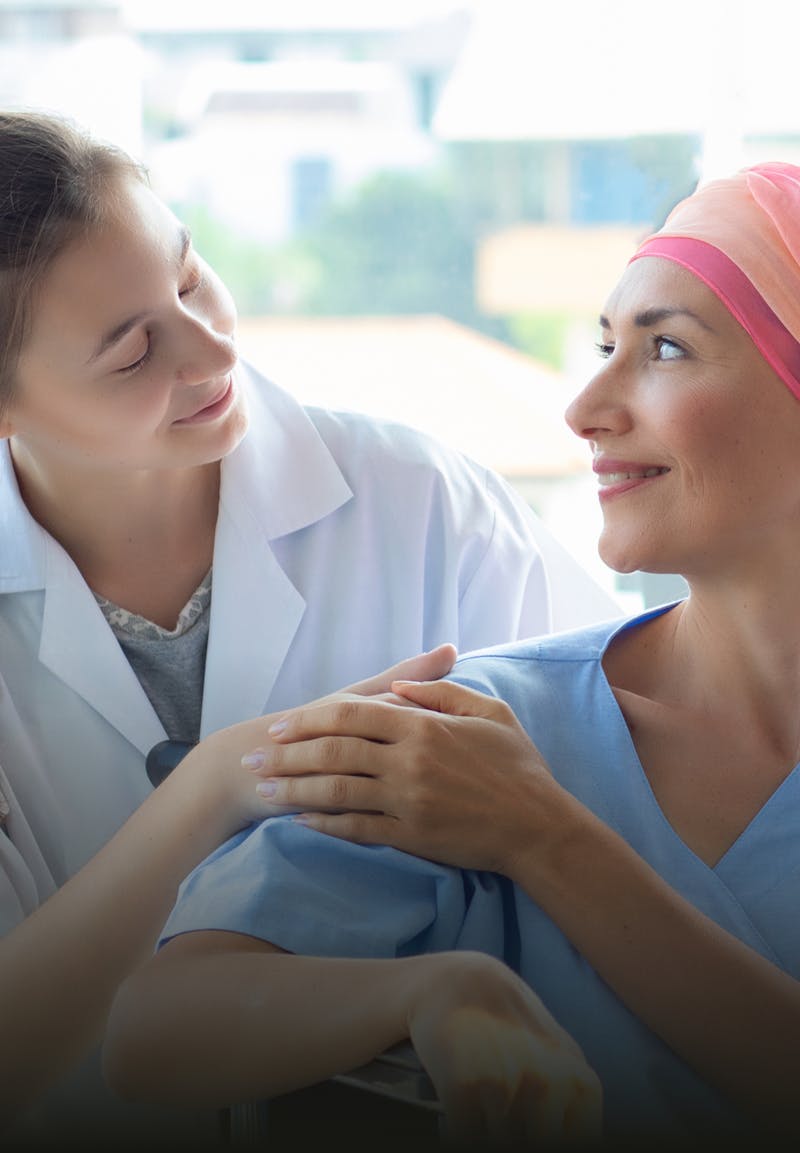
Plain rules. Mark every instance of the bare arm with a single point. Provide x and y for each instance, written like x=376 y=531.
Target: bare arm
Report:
x=60 y=968
x=424 y=782
x=219 y=1017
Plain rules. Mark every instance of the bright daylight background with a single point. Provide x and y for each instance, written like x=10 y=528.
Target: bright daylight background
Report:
x=420 y=205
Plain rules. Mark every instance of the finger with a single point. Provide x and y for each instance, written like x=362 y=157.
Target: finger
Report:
x=359 y=828
x=426 y=666
x=583 y=1116
x=308 y=755
x=446 y=697
x=324 y=793
x=367 y=719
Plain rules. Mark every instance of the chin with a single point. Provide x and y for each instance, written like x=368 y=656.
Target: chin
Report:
x=619 y=559
x=628 y=556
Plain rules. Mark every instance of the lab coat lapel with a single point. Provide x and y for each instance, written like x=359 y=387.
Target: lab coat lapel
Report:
x=78 y=647
x=255 y=611
x=280 y=479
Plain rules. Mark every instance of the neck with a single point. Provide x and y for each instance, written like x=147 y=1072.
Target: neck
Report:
x=730 y=648
x=142 y=539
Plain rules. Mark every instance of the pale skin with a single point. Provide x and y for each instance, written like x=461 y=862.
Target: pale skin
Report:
x=123 y=405
x=709 y=693
x=60 y=968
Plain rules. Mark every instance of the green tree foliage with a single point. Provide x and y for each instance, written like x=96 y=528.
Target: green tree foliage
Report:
x=398 y=244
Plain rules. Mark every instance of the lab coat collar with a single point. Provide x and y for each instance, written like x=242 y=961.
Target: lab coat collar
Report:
x=82 y=651
x=282 y=471
x=23 y=542
x=75 y=644
x=280 y=479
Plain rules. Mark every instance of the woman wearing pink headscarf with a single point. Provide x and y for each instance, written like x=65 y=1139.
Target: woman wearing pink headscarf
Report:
x=592 y=838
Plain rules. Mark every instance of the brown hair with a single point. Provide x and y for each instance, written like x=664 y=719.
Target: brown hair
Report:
x=54 y=182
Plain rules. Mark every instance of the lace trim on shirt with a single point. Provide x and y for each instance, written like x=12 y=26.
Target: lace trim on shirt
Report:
x=131 y=624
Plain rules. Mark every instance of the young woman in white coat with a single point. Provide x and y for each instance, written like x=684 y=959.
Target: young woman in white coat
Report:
x=140 y=462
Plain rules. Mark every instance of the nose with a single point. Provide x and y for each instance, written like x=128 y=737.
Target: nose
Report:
x=205 y=349
x=601 y=406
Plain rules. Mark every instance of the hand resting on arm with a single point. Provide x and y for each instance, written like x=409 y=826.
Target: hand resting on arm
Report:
x=458 y=781
x=502 y=1067
x=60 y=968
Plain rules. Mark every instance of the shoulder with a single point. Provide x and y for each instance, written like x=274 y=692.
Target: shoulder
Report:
x=569 y=646
x=511 y=671
x=564 y=668
x=356 y=438
x=361 y=444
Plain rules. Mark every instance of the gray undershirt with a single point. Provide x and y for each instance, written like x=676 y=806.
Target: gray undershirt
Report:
x=169 y=664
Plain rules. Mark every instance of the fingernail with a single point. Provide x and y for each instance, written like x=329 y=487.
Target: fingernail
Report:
x=254 y=760
x=267 y=788
x=277 y=727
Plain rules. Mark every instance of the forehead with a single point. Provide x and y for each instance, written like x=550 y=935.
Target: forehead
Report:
x=134 y=224
x=110 y=268
x=653 y=284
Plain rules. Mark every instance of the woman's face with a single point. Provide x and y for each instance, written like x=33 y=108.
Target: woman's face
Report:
x=695 y=438
x=128 y=361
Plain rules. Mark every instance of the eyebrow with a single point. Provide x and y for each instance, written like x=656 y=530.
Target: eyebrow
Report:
x=115 y=334
x=653 y=316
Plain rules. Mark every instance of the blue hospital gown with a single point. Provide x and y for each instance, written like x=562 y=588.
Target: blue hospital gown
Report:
x=313 y=894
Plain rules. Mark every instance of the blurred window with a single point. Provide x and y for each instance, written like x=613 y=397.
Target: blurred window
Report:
x=311 y=180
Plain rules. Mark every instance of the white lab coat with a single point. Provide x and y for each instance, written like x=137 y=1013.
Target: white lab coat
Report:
x=343 y=545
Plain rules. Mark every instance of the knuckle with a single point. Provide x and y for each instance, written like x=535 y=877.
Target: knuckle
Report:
x=344 y=713
x=329 y=751
x=337 y=791
x=503 y=711
x=274 y=759
x=358 y=829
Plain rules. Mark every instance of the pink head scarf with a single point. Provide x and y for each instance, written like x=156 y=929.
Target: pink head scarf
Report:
x=741 y=237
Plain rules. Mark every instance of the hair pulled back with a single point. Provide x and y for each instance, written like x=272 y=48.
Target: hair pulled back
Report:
x=54 y=184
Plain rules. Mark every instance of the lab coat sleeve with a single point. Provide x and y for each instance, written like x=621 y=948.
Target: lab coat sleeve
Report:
x=526 y=583
x=24 y=879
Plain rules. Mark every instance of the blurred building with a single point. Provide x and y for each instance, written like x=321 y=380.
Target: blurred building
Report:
x=296 y=107
x=77 y=59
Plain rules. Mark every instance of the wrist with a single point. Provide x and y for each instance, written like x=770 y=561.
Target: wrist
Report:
x=557 y=846
x=199 y=796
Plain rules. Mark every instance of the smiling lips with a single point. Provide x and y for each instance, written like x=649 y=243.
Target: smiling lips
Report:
x=622 y=475
x=213 y=407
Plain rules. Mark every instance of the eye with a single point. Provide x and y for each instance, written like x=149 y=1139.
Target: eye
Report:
x=603 y=350
x=666 y=349
x=135 y=365
x=194 y=284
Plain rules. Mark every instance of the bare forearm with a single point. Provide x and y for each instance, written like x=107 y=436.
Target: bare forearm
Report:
x=204 y=1022
x=731 y=1014
x=60 y=968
